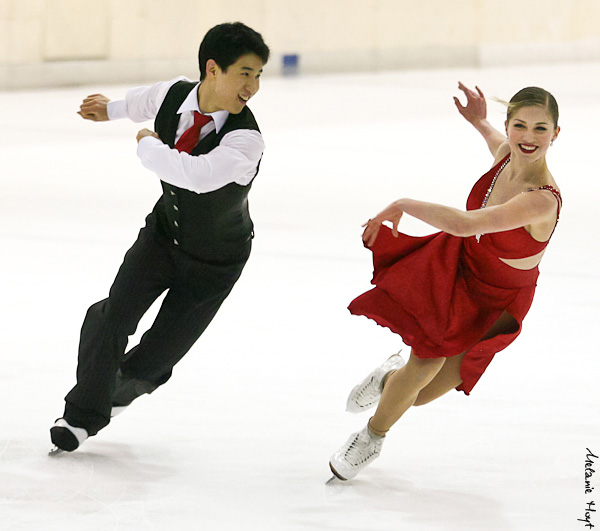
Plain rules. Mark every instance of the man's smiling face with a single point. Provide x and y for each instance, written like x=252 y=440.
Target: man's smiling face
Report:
x=232 y=88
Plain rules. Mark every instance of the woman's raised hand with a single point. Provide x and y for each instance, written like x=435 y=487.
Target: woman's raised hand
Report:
x=476 y=109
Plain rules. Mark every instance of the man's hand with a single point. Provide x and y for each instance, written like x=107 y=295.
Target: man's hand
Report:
x=146 y=132
x=94 y=108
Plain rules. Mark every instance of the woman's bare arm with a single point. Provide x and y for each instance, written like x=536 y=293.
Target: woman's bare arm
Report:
x=522 y=210
x=475 y=112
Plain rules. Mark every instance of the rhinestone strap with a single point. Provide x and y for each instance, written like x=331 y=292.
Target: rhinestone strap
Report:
x=489 y=191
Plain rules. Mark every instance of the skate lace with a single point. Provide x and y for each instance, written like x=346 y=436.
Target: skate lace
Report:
x=361 y=452
x=368 y=392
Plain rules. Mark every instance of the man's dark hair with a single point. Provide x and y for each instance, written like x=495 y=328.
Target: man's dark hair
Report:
x=226 y=43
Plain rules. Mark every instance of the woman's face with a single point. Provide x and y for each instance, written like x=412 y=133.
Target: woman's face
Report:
x=530 y=131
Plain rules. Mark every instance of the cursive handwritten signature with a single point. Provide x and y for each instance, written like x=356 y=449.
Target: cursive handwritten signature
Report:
x=588 y=488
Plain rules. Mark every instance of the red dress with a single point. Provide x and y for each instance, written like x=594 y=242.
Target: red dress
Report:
x=442 y=293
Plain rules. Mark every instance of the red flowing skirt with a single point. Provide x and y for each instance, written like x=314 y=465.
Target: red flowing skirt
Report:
x=430 y=292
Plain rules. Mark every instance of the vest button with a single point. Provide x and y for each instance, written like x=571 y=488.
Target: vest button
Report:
x=172 y=192
x=175 y=207
x=176 y=224
x=175 y=242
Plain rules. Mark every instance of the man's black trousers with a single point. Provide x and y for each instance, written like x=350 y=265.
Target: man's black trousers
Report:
x=196 y=290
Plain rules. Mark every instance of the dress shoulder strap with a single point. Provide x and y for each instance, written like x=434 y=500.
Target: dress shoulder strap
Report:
x=556 y=194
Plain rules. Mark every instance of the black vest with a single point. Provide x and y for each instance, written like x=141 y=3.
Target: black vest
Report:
x=213 y=226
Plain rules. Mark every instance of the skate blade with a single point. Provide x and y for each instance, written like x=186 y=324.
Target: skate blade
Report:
x=336 y=477
x=55 y=450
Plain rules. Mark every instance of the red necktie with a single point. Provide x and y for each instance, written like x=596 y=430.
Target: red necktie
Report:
x=190 y=137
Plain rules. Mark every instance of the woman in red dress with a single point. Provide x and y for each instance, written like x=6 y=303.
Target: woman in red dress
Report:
x=459 y=296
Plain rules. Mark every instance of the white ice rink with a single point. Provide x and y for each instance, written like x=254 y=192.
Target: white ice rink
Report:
x=240 y=437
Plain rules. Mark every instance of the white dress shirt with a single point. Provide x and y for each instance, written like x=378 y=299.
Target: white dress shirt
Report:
x=234 y=160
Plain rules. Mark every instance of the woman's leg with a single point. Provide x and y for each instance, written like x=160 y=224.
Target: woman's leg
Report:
x=417 y=383
x=447 y=379
x=402 y=389
x=399 y=393
x=449 y=376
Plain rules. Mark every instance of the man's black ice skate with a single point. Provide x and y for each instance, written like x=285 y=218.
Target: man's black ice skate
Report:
x=65 y=437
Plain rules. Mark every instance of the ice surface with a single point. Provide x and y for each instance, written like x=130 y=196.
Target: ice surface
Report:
x=240 y=437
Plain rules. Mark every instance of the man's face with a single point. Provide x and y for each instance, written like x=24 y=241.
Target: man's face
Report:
x=235 y=86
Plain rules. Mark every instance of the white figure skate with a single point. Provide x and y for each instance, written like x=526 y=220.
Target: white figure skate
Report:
x=360 y=449
x=368 y=392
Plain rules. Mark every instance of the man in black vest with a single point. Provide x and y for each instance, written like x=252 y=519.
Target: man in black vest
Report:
x=206 y=151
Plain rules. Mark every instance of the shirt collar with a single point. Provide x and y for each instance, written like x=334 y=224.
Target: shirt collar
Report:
x=191 y=104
